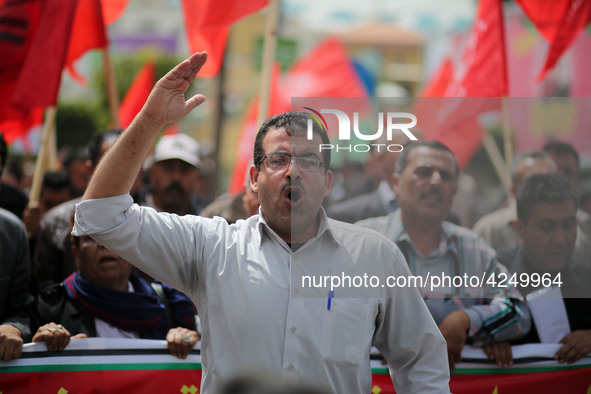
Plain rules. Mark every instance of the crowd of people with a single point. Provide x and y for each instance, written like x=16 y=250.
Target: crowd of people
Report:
x=144 y=254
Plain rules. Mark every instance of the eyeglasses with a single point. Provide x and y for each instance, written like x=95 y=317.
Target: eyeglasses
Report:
x=282 y=160
x=425 y=172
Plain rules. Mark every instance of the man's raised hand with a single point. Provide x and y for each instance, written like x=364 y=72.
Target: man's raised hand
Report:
x=166 y=103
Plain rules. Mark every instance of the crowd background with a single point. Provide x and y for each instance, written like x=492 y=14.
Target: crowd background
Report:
x=387 y=54
x=396 y=48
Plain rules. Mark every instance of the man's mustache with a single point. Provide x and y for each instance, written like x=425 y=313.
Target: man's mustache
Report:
x=175 y=186
x=290 y=183
x=432 y=191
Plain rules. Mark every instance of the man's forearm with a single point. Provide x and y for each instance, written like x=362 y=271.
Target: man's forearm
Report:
x=503 y=319
x=118 y=170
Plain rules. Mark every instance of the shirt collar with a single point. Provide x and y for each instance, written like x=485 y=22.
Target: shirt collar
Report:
x=263 y=227
x=521 y=263
x=323 y=227
x=386 y=193
x=449 y=236
x=399 y=233
x=447 y=242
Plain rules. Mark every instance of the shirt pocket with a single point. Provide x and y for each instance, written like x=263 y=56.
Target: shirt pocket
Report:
x=347 y=331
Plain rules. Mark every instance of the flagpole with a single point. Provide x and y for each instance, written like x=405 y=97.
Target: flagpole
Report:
x=268 y=58
x=111 y=89
x=51 y=156
x=507 y=136
x=497 y=160
x=42 y=157
x=219 y=119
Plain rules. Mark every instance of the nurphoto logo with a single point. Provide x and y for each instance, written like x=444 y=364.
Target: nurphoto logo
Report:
x=395 y=122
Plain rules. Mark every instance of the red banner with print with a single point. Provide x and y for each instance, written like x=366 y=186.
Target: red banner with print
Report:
x=113 y=365
x=103 y=381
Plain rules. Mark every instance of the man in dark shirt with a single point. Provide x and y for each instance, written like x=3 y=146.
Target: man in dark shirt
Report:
x=14 y=283
x=547 y=226
x=11 y=198
x=104 y=298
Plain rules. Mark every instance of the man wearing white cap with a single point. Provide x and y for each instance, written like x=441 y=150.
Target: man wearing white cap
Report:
x=173 y=175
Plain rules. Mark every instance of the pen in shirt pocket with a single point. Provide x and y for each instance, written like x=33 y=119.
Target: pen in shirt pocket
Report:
x=330 y=297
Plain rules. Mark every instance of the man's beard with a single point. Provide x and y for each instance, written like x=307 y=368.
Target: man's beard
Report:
x=174 y=197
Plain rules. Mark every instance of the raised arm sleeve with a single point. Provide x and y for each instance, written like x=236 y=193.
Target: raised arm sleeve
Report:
x=165 y=246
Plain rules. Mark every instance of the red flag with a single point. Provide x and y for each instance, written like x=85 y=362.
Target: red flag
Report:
x=326 y=71
x=463 y=140
x=88 y=32
x=213 y=41
x=40 y=77
x=19 y=21
x=477 y=87
x=560 y=22
x=546 y=18
x=112 y=10
x=454 y=121
x=19 y=126
x=35 y=49
x=483 y=70
x=440 y=81
x=244 y=150
x=18 y=24
x=208 y=23
x=137 y=94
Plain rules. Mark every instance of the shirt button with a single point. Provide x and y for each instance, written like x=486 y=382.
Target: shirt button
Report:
x=290 y=367
x=293 y=330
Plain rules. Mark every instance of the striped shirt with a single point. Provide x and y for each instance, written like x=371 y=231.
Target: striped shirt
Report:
x=477 y=284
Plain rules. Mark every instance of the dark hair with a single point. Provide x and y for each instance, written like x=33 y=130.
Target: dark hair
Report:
x=402 y=161
x=72 y=154
x=94 y=145
x=56 y=180
x=543 y=188
x=294 y=123
x=534 y=154
x=562 y=148
x=3 y=151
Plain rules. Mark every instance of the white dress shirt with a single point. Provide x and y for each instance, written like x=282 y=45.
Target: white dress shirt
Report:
x=245 y=282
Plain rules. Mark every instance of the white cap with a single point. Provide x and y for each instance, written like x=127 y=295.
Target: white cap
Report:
x=177 y=146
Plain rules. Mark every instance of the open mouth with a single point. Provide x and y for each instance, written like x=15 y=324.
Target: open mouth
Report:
x=293 y=194
x=107 y=259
